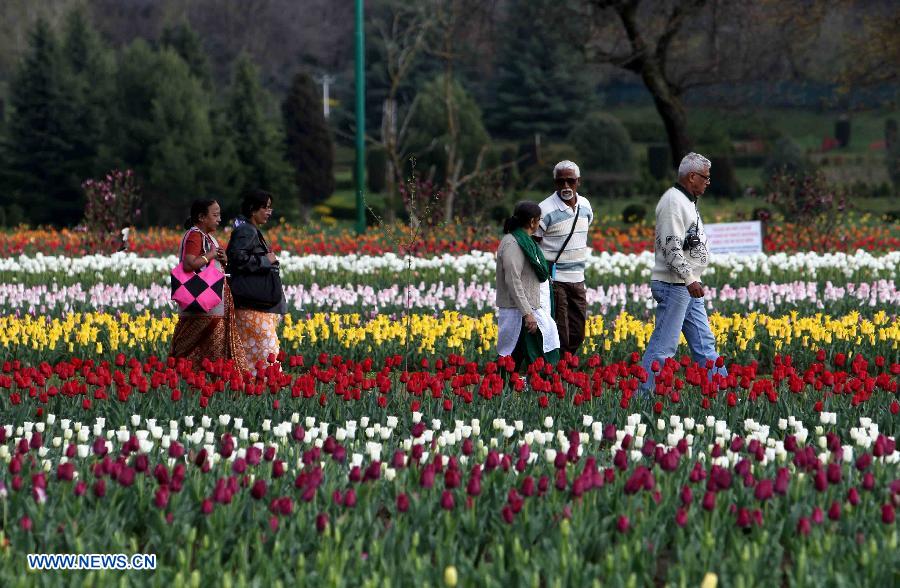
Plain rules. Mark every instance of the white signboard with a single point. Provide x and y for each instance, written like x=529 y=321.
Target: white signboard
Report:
x=741 y=238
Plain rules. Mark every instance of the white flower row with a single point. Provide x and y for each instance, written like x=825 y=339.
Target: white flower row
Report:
x=545 y=441
x=807 y=264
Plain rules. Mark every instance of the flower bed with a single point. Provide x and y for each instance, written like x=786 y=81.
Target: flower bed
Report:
x=305 y=473
x=468 y=297
x=863 y=233
x=384 y=270
x=741 y=337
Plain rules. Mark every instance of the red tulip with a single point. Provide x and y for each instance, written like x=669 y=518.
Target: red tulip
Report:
x=259 y=489
x=321 y=522
x=176 y=451
x=681 y=517
x=764 y=490
x=887 y=514
x=126 y=477
x=863 y=461
x=402 y=502
x=207 y=506
x=803 y=526
x=65 y=471
x=623 y=524
x=868 y=482
x=350 y=498
x=687 y=496
x=161 y=498
x=447 y=502
x=834 y=512
x=99 y=446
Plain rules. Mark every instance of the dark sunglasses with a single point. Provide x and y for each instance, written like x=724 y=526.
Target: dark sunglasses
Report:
x=569 y=181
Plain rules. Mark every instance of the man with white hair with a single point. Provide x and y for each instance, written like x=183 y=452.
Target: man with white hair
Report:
x=562 y=234
x=681 y=257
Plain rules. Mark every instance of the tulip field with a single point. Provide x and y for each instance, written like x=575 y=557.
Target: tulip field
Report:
x=386 y=444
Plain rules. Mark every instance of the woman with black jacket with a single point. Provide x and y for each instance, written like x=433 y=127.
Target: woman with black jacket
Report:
x=255 y=282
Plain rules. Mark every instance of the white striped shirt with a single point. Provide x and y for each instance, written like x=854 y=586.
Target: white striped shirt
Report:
x=556 y=223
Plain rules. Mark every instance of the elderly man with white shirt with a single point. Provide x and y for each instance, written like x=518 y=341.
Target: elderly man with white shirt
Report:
x=681 y=257
x=562 y=234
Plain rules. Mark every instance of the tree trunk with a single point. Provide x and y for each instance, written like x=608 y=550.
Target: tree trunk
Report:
x=671 y=110
x=389 y=140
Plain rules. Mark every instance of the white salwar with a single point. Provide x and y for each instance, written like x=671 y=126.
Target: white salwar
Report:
x=509 y=325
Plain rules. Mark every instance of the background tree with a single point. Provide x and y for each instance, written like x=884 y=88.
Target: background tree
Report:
x=673 y=46
x=540 y=83
x=310 y=149
x=91 y=66
x=164 y=130
x=399 y=33
x=182 y=39
x=43 y=152
x=604 y=150
x=257 y=137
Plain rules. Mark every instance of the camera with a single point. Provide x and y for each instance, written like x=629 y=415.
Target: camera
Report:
x=691 y=241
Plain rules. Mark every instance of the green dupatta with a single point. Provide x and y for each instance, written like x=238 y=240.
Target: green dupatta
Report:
x=533 y=254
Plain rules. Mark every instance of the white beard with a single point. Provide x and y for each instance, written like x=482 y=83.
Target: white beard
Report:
x=566 y=194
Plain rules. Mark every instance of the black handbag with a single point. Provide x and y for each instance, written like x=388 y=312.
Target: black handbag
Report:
x=261 y=290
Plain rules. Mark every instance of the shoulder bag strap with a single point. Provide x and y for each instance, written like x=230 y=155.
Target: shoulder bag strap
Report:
x=183 y=242
x=566 y=242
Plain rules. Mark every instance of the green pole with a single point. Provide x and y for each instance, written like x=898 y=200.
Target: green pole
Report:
x=360 y=120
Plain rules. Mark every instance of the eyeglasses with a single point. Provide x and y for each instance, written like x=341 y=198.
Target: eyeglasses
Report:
x=705 y=178
x=566 y=181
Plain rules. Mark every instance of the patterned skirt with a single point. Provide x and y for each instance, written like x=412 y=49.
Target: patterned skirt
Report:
x=209 y=336
x=258 y=331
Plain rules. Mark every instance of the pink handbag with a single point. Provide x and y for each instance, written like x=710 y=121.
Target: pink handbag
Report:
x=197 y=291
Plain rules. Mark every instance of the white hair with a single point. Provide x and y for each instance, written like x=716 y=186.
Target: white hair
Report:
x=692 y=162
x=566 y=164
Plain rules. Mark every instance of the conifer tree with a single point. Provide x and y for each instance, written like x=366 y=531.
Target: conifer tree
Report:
x=90 y=66
x=185 y=41
x=540 y=84
x=164 y=130
x=41 y=166
x=257 y=138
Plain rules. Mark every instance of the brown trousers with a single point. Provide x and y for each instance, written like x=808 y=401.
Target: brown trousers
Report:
x=571 y=314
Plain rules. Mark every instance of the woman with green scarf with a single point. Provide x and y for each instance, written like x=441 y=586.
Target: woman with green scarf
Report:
x=526 y=330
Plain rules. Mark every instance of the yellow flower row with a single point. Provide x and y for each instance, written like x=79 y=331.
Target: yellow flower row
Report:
x=448 y=332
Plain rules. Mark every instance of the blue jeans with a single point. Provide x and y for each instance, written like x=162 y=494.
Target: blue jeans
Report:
x=676 y=313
